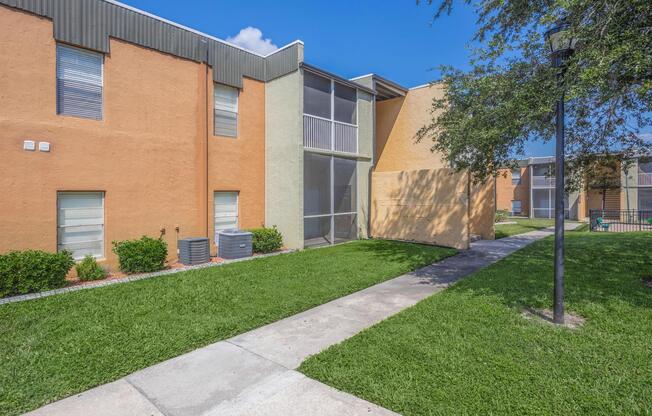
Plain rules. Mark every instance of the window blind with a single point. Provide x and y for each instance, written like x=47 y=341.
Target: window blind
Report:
x=79 y=82
x=80 y=222
x=226 y=110
x=226 y=211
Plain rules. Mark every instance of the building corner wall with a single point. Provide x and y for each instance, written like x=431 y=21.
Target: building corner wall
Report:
x=365 y=160
x=482 y=208
x=284 y=157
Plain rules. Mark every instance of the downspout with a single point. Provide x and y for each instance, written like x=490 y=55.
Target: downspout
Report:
x=373 y=163
x=627 y=187
x=207 y=106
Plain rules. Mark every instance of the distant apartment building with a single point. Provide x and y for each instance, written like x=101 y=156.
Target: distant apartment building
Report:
x=115 y=123
x=529 y=190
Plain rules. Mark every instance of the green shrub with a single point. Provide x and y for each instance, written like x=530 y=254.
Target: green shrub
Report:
x=140 y=256
x=88 y=269
x=501 y=215
x=32 y=271
x=266 y=240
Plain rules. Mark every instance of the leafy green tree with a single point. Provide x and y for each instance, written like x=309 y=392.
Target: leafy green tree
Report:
x=508 y=96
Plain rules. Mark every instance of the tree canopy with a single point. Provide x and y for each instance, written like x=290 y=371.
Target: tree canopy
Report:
x=488 y=113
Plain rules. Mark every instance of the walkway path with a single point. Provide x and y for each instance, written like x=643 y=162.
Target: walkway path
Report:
x=254 y=373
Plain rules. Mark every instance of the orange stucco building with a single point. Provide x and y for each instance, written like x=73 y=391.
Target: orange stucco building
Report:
x=115 y=124
x=153 y=154
x=513 y=190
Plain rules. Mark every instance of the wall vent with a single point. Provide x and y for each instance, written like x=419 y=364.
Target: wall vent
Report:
x=234 y=244
x=194 y=251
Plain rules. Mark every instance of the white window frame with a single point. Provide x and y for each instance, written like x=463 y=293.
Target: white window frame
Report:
x=516 y=176
x=60 y=46
x=102 y=195
x=226 y=108
x=237 y=211
x=332 y=120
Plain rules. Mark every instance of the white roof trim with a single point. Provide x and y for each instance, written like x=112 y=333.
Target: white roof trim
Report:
x=361 y=76
x=153 y=16
x=421 y=86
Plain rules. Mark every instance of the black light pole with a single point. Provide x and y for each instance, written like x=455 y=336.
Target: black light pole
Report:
x=561 y=47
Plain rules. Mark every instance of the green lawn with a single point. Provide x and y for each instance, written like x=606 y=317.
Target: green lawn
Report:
x=523 y=225
x=468 y=350
x=56 y=346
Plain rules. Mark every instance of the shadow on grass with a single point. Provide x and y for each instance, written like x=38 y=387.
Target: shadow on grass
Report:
x=600 y=270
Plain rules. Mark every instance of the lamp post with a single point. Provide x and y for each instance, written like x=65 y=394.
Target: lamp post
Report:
x=561 y=46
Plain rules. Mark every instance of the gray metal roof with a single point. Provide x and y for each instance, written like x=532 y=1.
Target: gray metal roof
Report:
x=385 y=89
x=90 y=23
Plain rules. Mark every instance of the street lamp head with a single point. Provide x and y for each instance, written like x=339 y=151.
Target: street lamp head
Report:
x=560 y=42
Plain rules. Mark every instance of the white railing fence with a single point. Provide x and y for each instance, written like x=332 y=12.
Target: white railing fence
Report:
x=324 y=134
x=543 y=182
x=645 y=179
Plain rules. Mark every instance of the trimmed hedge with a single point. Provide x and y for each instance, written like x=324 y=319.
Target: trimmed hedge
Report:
x=88 y=269
x=501 y=215
x=141 y=256
x=29 y=271
x=266 y=240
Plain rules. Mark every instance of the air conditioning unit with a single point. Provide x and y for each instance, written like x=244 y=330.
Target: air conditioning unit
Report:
x=234 y=244
x=194 y=251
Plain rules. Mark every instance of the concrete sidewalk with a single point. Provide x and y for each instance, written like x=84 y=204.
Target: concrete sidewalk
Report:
x=254 y=373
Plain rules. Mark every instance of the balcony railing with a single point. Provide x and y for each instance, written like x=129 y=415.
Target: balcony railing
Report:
x=548 y=213
x=543 y=182
x=645 y=179
x=324 y=134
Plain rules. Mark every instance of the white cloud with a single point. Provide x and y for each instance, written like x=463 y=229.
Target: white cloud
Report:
x=251 y=38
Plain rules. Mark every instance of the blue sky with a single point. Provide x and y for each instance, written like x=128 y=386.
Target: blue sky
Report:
x=394 y=39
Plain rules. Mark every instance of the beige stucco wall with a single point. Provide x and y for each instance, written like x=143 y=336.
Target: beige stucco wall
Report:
x=398 y=120
x=414 y=196
x=482 y=207
x=428 y=205
x=629 y=186
x=148 y=154
x=365 y=152
x=284 y=157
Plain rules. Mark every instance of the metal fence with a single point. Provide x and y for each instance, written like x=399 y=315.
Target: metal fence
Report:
x=620 y=220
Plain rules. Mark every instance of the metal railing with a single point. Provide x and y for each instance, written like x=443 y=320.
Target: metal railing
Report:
x=543 y=182
x=324 y=134
x=645 y=179
x=548 y=213
x=620 y=220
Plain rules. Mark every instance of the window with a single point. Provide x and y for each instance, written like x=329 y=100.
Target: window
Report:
x=645 y=165
x=81 y=223
x=226 y=110
x=543 y=170
x=79 y=82
x=226 y=211
x=516 y=177
x=543 y=203
x=316 y=95
x=329 y=199
x=645 y=199
x=345 y=99
x=329 y=114
x=516 y=208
